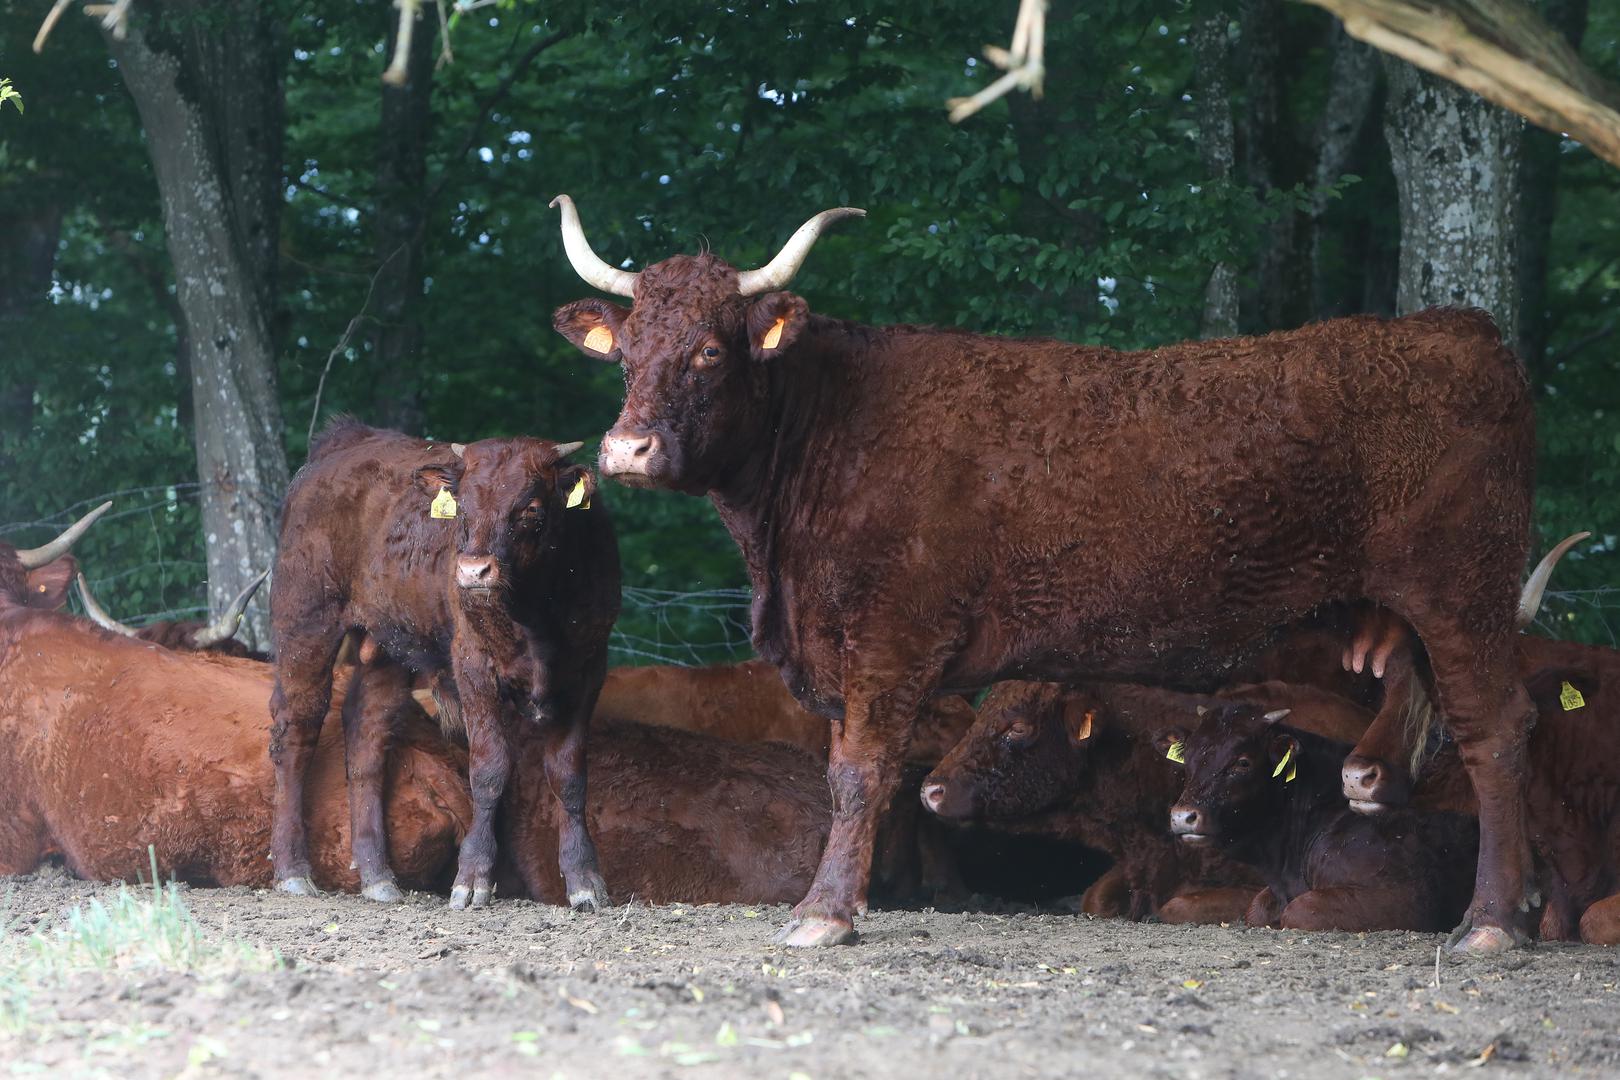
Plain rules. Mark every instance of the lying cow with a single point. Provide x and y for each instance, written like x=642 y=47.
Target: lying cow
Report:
x=488 y=563
x=923 y=509
x=188 y=635
x=1081 y=764
x=748 y=702
x=108 y=745
x=1267 y=795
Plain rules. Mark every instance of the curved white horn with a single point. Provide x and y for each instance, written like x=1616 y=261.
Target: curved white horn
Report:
x=98 y=614
x=564 y=449
x=34 y=558
x=587 y=264
x=1530 y=597
x=780 y=270
x=225 y=626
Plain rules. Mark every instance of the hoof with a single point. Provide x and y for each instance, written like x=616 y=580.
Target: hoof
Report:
x=1480 y=941
x=462 y=898
x=591 y=895
x=297 y=886
x=815 y=932
x=384 y=892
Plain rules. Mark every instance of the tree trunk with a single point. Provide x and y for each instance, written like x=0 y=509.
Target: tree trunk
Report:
x=1456 y=163
x=1352 y=89
x=200 y=84
x=401 y=211
x=27 y=260
x=1215 y=143
x=1538 y=201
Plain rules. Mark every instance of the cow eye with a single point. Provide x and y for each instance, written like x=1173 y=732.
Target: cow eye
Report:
x=1019 y=730
x=534 y=508
x=708 y=355
x=1243 y=764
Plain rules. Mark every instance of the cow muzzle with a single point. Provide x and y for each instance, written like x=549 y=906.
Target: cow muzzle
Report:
x=949 y=801
x=477 y=573
x=629 y=457
x=1369 y=786
x=1188 y=825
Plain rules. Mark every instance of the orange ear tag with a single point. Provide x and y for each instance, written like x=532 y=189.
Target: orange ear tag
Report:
x=1085 y=727
x=773 y=336
x=600 y=339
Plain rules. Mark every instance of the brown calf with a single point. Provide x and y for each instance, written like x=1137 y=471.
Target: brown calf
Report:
x=1267 y=795
x=1080 y=764
x=926 y=508
x=488 y=564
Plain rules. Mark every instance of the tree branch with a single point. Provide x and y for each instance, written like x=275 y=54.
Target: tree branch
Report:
x=1501 y=50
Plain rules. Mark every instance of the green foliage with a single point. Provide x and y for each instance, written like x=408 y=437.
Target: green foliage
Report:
x=10 y=93
x=1087 y=216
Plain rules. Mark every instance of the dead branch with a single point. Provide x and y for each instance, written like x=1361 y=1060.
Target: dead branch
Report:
x=1024 y=63
x=399 y=68
x=1501 y=50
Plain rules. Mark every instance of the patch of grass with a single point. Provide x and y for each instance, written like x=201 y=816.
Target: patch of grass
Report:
x=139 y=930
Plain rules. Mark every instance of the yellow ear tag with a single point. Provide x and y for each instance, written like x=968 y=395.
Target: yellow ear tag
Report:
x=1085 y=727
x=600 y=339
x=576 y=498
x=1570 y=698
x=444 y=505
x=774 y=335
x=1177 y=753
x=1288 y=756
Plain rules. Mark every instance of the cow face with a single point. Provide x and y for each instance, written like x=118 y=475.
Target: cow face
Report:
x=1023 y=754
x=696 y=347
x=509 y=497
x=44 y=587
x=1237 y=762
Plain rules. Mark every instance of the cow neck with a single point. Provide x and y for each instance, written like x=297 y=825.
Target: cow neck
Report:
x=1279 y=846
x=807 y=390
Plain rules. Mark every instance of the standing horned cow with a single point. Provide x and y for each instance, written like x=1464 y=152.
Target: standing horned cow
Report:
x=922 y=509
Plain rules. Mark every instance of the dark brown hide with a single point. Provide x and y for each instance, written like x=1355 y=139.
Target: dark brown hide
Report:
x=922 y=508
x=1267 y=794
x=108 y=745
x=513 y=597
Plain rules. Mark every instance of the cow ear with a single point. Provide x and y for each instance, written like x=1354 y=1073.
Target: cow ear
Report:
x=576 y=485
x=1172 y=744
x=436 y=478
x=48 y=585
x=1079 y=721
x=593 y=326
x=775 y=322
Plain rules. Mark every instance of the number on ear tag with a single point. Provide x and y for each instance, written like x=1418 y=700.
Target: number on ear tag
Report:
x=1570 y=698
x=1177 y=753
x=600 y=339
x=444 y=505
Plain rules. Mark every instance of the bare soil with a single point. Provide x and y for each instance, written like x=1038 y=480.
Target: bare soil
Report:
x=521 y=989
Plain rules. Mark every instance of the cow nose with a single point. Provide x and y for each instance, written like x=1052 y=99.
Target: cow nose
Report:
x=1184 y=819
x=476 y=571
x=933 y=796
x=1361 y=779
x=628 y=454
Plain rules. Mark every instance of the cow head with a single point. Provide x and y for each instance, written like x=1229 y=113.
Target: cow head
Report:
x=1237 y=762
x=39 y=577
x=694 y=344
x=1023 y=754
x=509 y=497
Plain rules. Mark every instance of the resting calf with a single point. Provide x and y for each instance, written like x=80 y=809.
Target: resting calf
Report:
x=1268 y=796
x=487 y=563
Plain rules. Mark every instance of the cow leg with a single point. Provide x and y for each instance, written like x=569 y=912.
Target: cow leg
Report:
x=1222 y=904
x=1601 y=923
x=489 y=764
x=297 y=707
x=564 y=735
x=1265 y=909
x=863 y=771
x=1355 y=908
x=1108 y=897
x=375 y=696
x=22 y=841
x=1489 y=712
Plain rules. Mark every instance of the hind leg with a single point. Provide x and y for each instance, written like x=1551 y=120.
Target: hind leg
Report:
x=1353 y=908
x=297 y=707
x=1489 y=713
x=379 y=690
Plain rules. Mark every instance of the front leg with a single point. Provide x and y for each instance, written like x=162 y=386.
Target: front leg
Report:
x=489 y=764
x=563 y=730
x=863 y=771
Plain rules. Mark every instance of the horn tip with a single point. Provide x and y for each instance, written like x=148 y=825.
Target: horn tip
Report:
x=560 y=200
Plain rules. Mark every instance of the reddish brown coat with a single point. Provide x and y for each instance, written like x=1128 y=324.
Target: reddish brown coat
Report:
x=922 y=508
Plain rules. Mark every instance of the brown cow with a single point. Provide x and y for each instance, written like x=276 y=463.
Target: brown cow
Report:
x=748 y=702
x=1080 y=764
x=188 y=635
x=488 y=563
x=1267 y=795
x=108 y=745
x=922 y=508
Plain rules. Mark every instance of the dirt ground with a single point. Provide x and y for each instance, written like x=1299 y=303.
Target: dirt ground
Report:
x=521 y=989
